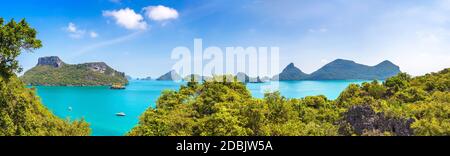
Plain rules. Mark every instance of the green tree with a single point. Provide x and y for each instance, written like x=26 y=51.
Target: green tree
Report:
x=21 y=112
x=14 y=38
x=400 y=106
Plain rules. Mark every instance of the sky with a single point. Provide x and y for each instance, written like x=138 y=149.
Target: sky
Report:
x=138 y=36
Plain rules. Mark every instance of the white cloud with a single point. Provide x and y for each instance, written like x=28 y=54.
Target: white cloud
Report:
x=160 y=13
x=93 y=34
x=72 y=28
x=127 y=18
x=76 y=33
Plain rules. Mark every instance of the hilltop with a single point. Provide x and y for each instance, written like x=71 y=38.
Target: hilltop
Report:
x=341 y=69
x=52 y=71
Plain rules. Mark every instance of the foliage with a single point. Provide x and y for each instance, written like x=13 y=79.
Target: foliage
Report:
x=15 y=37
x=417 y=105
x=217 y=108
x=21 y=112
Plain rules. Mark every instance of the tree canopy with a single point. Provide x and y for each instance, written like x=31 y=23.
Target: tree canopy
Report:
x=401 y=105
x=21 y=112
x=14 y=38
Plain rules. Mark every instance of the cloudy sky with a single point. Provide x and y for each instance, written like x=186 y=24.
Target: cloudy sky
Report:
x=137 y=36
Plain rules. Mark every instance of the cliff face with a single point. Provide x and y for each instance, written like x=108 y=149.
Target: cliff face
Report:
x=103 y=68
x=52 y=71
x=52 y=61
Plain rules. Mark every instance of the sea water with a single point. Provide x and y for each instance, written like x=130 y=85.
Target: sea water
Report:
x=99 y=105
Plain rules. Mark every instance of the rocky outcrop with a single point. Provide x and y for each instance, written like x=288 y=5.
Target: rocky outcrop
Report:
x=256 y=80
x=52 y=61
x=100 y=67
x=170 y=76
x=364 y=120
x=290 y=73
x=242 y=77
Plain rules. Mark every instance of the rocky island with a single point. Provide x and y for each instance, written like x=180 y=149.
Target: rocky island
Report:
x=52 y=71
x=341 y=69
x=291 y=73
x=338 y=69
x=170 y=76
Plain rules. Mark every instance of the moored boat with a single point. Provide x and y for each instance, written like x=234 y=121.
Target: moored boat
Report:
x=120 y=114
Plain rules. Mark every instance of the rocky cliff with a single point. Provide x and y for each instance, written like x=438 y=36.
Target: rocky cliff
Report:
x=363 y=120
x=52 y=61
x=52 y=71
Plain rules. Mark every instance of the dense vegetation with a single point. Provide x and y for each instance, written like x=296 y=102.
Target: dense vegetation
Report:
x=72 y=75
x=401 y=105
x=21 y=112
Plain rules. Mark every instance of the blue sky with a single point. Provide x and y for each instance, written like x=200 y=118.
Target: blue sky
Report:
x=414 y=34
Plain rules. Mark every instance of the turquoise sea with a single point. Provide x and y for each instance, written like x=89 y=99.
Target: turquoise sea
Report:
x=98 y=105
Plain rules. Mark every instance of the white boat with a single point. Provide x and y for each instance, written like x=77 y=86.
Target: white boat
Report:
x=70 y=109
x=120 y=114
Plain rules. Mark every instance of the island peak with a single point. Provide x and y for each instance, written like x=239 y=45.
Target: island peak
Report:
x=53 y=61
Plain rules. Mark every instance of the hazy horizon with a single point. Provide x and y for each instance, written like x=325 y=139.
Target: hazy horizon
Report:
x=137 y=37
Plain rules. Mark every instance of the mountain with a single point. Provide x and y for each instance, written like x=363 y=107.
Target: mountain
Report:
x=291 y=73
x=170 y=76
x=341 y=69
x=146 y=79
x=52 y=71
x=247 y=79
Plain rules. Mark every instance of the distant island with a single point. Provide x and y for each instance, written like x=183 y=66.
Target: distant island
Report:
x=290 y=73
x=338 y=69
x=341 y=69
x=128 y=77
x=146 y=78
x=170 y=76
x=52 y=71
x=242 y=77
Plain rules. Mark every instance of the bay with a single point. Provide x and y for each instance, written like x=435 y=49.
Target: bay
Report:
x=98 y=105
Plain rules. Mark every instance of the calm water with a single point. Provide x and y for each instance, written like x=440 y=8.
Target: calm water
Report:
x=98 y=105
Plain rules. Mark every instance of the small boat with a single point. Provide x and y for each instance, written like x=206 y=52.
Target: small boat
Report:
x=120 y=114
x=70 y=109
x=117 y=86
